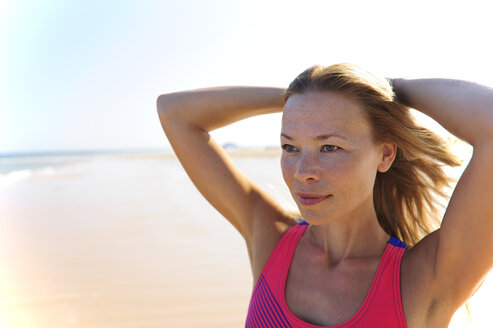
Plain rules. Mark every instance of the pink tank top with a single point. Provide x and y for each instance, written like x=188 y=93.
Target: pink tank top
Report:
x=382 y=307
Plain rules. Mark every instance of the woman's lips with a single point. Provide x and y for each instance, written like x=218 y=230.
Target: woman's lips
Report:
x=311 y=200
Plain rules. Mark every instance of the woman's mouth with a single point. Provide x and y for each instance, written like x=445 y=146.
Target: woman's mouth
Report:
x=309 y=200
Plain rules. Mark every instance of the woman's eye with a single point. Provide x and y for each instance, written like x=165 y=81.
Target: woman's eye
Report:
x=287 y=147
x=330 y=148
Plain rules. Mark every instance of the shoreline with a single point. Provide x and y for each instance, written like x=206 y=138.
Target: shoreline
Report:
x=236 y=153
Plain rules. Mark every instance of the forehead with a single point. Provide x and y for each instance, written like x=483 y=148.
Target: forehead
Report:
x=323 y=112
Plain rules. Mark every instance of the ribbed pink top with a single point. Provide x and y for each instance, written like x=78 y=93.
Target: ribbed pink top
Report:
x=382 y=306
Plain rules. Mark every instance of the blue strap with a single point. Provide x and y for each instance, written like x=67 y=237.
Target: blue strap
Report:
x=396 y=242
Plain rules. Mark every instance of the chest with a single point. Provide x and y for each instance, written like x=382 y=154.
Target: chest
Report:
x=328 y=297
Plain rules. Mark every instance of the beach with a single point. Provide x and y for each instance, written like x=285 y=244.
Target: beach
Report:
x=126 y=240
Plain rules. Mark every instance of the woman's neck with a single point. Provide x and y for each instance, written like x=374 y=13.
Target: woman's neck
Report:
x=355 y=237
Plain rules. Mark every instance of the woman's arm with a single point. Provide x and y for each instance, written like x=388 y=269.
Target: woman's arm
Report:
x=462 y=249
x=188 y=116
x=212 y=108
x=464 y=108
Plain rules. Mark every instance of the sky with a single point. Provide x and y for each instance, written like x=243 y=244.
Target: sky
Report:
x=85 y=75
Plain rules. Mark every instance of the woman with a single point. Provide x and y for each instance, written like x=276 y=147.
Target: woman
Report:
x=365 y=251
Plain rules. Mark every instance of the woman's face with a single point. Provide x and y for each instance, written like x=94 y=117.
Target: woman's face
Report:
x=328 y=152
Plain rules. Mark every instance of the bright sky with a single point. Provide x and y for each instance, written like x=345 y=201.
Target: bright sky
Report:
x=86 y=74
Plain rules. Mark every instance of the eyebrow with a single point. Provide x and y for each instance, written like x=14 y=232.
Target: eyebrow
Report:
x=320 y=137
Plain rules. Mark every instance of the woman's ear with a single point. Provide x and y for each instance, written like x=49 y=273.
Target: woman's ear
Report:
x=387 y=156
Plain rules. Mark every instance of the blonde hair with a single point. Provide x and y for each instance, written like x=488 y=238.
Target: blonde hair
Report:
x=405 y=197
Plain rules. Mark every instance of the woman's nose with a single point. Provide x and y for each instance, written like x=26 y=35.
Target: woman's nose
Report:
x=307 y=168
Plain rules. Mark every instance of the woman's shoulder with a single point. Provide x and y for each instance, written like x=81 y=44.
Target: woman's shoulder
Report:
x=268 y=232
x=266 y=237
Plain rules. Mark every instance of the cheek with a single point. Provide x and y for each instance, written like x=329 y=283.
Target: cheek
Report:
x=287 y=168
x=337 y=169
x=346 y=176
x=356 y=177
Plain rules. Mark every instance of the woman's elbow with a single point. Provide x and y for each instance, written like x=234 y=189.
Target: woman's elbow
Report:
x=164 y=104
x=161 y=103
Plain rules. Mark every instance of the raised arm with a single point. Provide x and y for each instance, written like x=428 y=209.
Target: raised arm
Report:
x=212 y=108
x=464 y=108
x=188 y=116
x=462 y=249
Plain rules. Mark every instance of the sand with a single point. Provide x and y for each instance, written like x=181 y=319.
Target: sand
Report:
x=120 y=241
